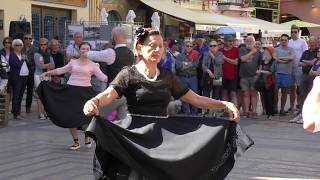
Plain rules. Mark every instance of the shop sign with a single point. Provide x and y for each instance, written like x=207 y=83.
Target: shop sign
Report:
x=203 y=27
x=81 y=3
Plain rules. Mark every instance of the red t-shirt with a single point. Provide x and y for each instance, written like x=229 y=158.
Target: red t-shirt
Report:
x=230 y=71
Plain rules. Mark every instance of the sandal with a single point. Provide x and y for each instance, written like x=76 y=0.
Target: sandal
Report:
x=75 y=145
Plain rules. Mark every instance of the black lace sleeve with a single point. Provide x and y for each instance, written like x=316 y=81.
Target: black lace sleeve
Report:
x=121 y=81
x=178 y=88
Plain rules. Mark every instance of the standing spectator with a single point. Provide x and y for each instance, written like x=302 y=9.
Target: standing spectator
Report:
x=315 y=70
x=201 y=47
x=299 y=45
x=7 y=49
x=19 y=73
x=58 y=59
x=250 y=59
x=212 y=70
x=73 y=51
x=284 y=56
x=4 y=56
x=186 y=66
x=220 y=43
x=267 y=71
x=44 y=62
x=307 y=60
x=230 y=70
x=29 y=51
x=173 y=51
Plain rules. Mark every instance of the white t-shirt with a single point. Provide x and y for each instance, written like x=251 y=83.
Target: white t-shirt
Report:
x=299 y=46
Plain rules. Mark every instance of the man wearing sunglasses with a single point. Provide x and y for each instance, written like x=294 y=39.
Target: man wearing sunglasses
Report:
x=299 y=45
x=29 y=50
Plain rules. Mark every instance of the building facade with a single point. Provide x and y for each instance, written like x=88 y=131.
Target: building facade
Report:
x=268 y=10
x=304 y=10
x=47 y=17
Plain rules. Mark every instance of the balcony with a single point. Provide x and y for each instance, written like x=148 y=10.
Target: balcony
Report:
x=235 y=5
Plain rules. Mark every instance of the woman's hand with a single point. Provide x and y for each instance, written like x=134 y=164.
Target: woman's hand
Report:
x=43 y=76
x=234 y=114
x=91 y=108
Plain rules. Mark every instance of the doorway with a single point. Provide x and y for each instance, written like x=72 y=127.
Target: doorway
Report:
x=49 y=23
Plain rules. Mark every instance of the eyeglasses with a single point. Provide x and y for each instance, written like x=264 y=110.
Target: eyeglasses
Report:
x=28 y=38
x=7 y=42
x=18 y=45
x=43 y=44
x=213 y=45
x=295 y=32
x=189 y=46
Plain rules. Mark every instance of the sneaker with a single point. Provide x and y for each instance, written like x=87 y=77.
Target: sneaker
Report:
x=299 y=121
x=42 y=116
x=75 y=146
x=88 y=144
x=297 y=118
x=18 y=117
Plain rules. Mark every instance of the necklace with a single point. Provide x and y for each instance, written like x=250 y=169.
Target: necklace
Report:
x=145 y=75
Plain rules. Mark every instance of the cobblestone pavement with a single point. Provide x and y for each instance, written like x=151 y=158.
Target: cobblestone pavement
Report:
x=33 y=149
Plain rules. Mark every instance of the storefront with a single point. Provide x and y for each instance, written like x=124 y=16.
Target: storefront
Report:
x=268 y=10
x=47 y=17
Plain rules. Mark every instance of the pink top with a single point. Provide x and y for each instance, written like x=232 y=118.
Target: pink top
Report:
x=81 y=74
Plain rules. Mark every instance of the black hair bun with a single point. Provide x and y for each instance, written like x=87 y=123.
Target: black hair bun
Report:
x=141 y=34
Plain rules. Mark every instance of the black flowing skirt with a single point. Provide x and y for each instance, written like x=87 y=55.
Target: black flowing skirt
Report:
x=64 y=103
x=174 y=148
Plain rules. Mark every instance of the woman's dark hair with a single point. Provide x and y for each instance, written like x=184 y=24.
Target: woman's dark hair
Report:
x=6 y=39
x=143 y=33
x=85 y=43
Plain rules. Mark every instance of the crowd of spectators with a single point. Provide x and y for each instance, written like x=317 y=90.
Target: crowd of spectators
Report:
x=218 y=68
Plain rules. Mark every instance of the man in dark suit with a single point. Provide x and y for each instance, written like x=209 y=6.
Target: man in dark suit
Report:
x=121 y=56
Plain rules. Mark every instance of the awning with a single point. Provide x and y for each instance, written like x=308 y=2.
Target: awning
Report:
x=203 y=20
x=300 y=23
x=268 y=29
x=172 y=9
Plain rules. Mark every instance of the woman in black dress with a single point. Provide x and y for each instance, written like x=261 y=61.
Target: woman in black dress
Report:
x=150 y=145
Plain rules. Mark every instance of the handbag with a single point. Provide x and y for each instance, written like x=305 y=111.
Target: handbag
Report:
x=260 y=84
x=217 y=81
x=206 y=81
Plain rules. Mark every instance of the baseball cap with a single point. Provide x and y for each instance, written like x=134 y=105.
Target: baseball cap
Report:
x=198 y=35
x=228 y=38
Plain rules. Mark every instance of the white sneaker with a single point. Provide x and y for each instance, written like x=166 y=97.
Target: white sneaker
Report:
x=297 y=118
x=300 y=121
x=42 y=116
x=75 y=146
x=88 y=145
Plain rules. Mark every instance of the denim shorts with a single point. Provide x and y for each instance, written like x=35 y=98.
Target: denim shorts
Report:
x=296 y=76
x=284 y=80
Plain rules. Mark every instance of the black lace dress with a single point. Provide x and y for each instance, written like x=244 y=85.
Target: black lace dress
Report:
x=150 y=145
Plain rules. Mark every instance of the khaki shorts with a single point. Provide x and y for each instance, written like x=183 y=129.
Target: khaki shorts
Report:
x=247 y=83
